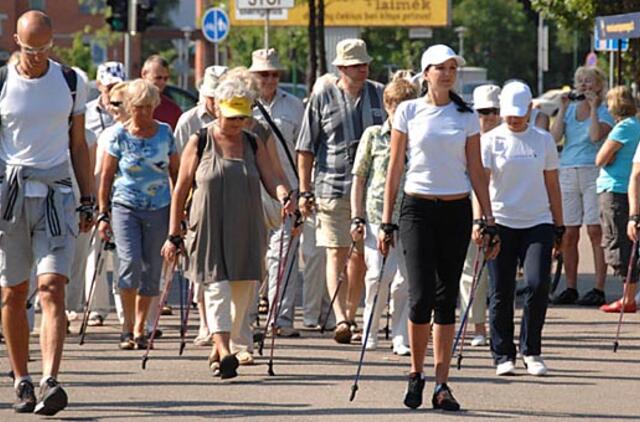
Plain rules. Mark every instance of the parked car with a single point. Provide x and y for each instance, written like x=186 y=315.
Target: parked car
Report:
x=184 y=99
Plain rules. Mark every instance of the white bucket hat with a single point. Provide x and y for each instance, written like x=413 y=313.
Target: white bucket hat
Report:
x=486 y=96
x=111 y=73
x=515 y=99
x=265 y=60
x=212 y=76
x=438 y=54
x=351 y=52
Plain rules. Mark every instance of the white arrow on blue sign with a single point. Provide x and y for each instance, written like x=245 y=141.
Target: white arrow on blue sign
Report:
x=215 y=25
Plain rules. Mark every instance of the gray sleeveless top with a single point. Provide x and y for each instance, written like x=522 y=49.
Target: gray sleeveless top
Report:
x=229 y=237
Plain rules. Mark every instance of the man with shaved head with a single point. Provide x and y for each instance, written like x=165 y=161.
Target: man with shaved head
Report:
x=42 y=105
x=156 y=70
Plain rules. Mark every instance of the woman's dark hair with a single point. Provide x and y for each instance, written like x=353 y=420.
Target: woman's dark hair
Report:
x=461 y=105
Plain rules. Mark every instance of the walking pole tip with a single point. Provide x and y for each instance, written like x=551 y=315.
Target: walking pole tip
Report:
x=182 y=345
x=270 y=370
x=144 y=362
x=615 y=346
x=459 y=362
x=354 y=390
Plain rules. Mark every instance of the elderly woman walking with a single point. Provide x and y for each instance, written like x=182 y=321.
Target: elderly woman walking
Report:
x=227 y=251
x=142 y=152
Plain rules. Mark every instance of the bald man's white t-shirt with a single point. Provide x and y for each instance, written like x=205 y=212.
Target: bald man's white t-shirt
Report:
x=34 y=120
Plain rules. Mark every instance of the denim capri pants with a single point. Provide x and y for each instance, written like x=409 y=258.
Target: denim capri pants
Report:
x=139 y=236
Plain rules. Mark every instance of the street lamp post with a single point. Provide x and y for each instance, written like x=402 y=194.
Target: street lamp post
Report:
x=461 y=30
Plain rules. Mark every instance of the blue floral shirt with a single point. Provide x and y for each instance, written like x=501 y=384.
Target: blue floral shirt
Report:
x=142 y=180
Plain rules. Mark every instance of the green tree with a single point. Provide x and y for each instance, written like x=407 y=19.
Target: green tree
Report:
x=79 y=54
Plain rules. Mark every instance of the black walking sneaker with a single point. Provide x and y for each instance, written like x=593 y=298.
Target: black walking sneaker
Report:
x=52 y=398
x=443 y=399
x=566 y=297
x=141 y=342
x=593 y=297
x=413 y=395
x=25 y=397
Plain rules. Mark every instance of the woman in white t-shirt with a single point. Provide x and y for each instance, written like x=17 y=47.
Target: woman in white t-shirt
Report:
x=522 y=164
x=438 y=136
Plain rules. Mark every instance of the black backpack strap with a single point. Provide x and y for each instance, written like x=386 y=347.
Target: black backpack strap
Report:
x=71 y=78
x=202 y=141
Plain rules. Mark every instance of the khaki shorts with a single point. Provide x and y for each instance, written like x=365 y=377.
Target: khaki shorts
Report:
x=27 y=245
x=579 y=197
x=333 y=223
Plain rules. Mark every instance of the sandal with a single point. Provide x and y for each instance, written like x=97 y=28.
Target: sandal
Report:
x=228 y=366
x=203 y=341
x=342 y=333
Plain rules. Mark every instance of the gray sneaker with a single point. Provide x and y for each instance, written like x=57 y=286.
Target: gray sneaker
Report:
x=53 y=398
x=25 y=398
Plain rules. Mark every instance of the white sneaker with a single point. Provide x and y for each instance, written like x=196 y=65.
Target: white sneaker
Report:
x=401 y=350
x=535 y=365
x=506 y=368
x=478 y=341
x=371 y=346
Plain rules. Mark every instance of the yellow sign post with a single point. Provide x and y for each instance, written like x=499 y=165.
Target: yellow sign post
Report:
x=364 y=13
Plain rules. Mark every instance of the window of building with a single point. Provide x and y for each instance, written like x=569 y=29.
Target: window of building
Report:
x=37 y=4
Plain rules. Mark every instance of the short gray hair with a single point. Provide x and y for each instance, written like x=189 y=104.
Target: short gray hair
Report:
x=230 y=88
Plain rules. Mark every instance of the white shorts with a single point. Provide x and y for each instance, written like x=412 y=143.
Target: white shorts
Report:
x=579 y=197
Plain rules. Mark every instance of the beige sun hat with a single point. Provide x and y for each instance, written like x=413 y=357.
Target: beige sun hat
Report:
x=212 y=76
x=265 y=60
x=350 y=52
x=486 y=96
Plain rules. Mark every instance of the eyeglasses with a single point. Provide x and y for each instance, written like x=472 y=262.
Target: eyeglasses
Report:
x=488 y=111
x=33 y=51
x=115 y=103
x=236 y=118
x=265 y=75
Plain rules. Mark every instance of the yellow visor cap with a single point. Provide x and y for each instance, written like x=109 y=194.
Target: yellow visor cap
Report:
x=236 y=106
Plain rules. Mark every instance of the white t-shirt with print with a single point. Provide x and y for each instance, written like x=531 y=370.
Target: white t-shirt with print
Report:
x=34 y=115
x=517 y=162
x=436 y=140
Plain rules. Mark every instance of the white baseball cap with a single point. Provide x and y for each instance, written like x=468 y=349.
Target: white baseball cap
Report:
x=438 y=54
x=515 y=99
x=111 y=73
x=486 y=96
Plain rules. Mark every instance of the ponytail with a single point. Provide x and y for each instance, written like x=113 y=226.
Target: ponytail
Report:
x=461 y=105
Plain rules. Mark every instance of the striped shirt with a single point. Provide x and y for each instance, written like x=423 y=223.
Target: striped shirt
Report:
x=331 y=129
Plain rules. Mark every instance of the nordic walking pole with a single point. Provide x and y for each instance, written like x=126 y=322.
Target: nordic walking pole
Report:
x=462 y=331
x=627 y=280
x=354 y=387
x=557 y=274
x=274 y=312
x=341 y=278
x=31 y=297
x=387 y=331
x=182 y=310
x=168 y=274
x=185 y=318
x=278 y=277
x=87 y=304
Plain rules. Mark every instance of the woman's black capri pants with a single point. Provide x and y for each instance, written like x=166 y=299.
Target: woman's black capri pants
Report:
x=434 y=236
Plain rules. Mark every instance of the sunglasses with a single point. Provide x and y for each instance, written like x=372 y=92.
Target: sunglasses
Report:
x=265 y=75
x=488 y=111
x=33 y=51
x=116 y=103
x=237 y=118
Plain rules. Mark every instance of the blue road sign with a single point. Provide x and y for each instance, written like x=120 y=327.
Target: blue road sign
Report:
x=215 y=25
x=618 y=26
x=609 y=44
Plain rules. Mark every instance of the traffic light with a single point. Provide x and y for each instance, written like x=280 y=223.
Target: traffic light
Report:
x=119 y=19
x=144 y=14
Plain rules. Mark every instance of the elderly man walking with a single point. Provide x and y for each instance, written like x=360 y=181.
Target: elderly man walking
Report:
x=286 y=111
x=335 y=118
x=42 y=107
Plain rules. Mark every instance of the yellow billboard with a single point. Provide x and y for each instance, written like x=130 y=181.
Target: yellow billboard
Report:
x=360 y=13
